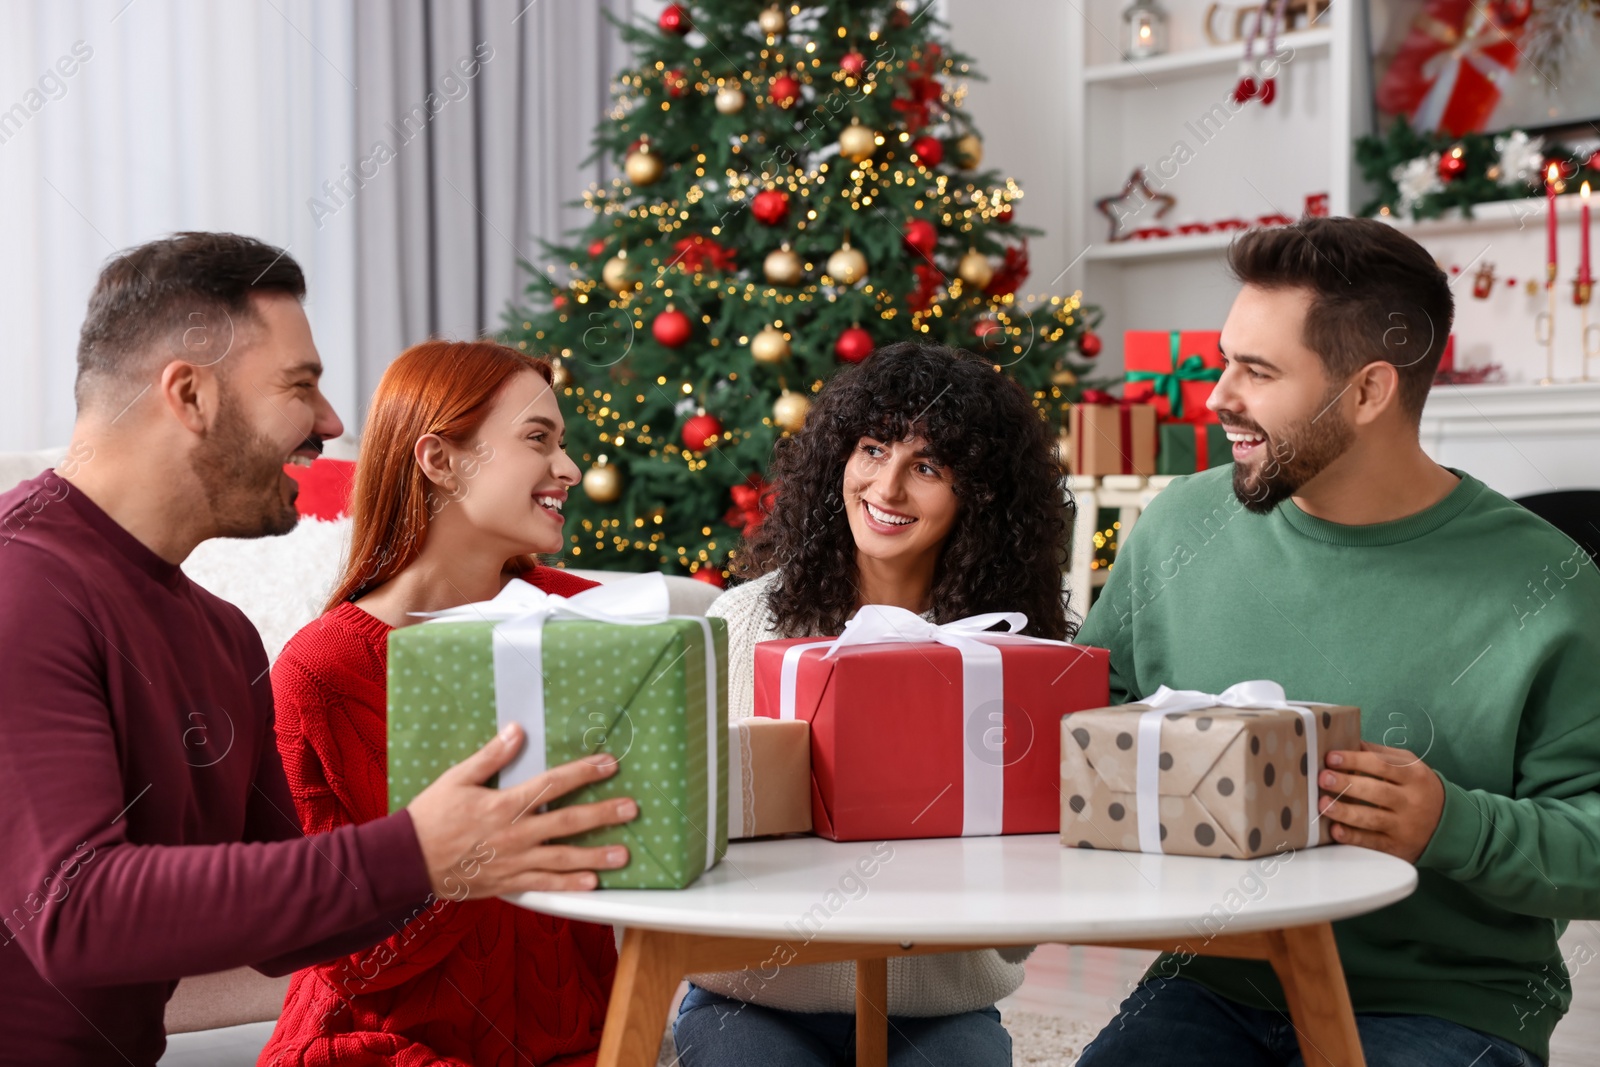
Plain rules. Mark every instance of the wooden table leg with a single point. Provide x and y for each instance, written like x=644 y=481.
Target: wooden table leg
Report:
x=1307 y=962
x=649 y=968
x=872 y=1013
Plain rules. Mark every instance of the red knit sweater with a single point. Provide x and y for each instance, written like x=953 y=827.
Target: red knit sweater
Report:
x=463 y=984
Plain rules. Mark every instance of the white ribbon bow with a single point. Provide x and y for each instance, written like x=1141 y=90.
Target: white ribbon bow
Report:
x=520 y=611
x=1163 y=702
x=982 y=686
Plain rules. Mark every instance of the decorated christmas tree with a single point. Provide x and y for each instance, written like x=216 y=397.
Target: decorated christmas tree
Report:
x=801 y=186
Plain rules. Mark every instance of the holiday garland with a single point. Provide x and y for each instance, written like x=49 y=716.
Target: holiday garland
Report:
x=1421 y=174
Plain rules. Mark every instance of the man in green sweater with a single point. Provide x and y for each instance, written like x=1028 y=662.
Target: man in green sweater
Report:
x=1335 y=557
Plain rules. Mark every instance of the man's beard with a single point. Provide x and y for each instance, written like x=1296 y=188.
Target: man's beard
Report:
x=240 y=471
x=1291 y=458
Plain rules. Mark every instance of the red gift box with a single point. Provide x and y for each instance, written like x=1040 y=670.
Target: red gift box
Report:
x=1451 y=69
x=1161 y=363
x=954 y=737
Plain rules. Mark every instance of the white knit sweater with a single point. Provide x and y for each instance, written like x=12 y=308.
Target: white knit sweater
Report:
x=918 y=986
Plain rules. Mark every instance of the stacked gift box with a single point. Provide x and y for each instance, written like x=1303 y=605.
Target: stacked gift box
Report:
x=1174 y=371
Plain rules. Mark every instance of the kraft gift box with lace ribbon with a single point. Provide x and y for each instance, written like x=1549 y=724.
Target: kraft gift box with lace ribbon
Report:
x=1200 y=774
x=769 y=777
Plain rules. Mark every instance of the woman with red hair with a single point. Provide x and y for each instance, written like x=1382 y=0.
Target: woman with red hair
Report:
x=460 y=482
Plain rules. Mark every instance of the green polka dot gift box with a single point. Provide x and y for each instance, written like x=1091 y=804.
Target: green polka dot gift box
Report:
x=648 y=688
x=1229 y=774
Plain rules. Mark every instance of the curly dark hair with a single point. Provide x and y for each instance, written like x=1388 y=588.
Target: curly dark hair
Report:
x=1007 y=548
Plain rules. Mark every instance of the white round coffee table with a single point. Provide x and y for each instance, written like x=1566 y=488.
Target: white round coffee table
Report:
x=807 y=900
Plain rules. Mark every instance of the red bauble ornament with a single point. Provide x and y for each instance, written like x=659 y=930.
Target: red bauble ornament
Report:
x=711 y=576
x=853 y=64
x=1451 y=167
x=674 y=19
x=597 y=248
x=921 y=236
x=987 y=328
x=854 y=345
x=675 y=82
x=700 y=432
x=899 y=19
x=671 y=327
x=1004 y=214
x=929 y=151
x=1089 y=344
x=1593 y=162
x=558 y=301
x=770 y=206
x=785 y=90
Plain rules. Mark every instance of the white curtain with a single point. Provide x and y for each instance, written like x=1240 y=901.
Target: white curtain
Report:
x=472 y=117
x=260 y=117
x=176 y=114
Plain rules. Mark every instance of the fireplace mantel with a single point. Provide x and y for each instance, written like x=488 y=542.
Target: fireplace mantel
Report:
x=1520 y=439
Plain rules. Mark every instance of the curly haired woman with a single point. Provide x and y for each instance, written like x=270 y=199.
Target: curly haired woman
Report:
x=926 y=480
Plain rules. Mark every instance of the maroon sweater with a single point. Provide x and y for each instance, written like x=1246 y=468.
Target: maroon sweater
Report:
x=146 y=830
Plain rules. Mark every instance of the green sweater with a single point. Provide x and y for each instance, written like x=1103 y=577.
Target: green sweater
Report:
x=1469 y=634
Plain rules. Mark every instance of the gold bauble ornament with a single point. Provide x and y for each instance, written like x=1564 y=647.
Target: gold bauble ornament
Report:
x=968 y=152
x=730 y=100
x=789 y=410
x=1064 y=378
x=858 y=142
x=847 y=266
x=769 y=346
x=618 y=274
x=643 y=166
x=783 y=267
x=975 y=269
x=603 y=483
x=772 y=21
x=560 y=376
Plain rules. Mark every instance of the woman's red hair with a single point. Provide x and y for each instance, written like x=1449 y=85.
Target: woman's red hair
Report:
x=437 y=387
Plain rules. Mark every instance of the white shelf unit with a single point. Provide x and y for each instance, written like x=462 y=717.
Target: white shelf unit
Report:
x=1242 y=163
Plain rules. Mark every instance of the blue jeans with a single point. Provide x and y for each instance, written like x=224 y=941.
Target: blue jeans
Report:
x=715 y=1031
x=1177 y=1021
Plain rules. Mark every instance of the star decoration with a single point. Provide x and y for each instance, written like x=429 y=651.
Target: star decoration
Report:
x=1135 y=196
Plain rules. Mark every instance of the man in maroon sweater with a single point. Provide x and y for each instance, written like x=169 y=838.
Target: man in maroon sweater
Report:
x=147 y=832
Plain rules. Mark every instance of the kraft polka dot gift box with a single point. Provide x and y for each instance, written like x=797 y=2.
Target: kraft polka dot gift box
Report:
x=651 y=691
x=1200 y=774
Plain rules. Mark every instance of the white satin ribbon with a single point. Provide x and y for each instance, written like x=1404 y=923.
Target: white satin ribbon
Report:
x=520 y=611
x=1244 y=695
x=1444 y=68
x=982 y=684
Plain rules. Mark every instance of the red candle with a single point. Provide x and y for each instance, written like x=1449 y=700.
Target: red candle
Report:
x=1550 y=177
x=1583 y=257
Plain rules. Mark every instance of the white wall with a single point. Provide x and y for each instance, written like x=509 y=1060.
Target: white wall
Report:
x=1022 y=113
x=184 y=115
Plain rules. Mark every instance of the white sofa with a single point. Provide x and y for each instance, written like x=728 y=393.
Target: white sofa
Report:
x=220 y=1020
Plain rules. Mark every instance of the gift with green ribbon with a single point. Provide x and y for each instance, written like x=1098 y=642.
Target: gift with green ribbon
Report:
x=1191 y=447
x=1173 y=370
x=607 y=670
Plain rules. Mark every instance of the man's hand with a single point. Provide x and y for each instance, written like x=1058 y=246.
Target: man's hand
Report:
x=1406 y=800
x=481 y=842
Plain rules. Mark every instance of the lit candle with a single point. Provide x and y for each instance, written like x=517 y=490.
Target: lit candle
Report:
x=1583 y=257
x=1550 y=177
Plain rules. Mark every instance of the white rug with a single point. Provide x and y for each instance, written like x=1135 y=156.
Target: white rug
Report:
x=1036 y=1040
